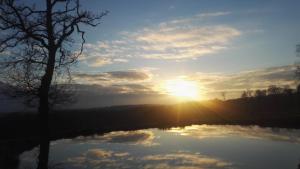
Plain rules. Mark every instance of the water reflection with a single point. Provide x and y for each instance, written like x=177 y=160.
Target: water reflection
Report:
x=185 y=160
x=209 y=131
x=99 y=158
x=141 y=137
x=197 y=146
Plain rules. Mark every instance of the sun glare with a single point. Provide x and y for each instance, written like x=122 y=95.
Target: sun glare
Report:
x=183 y=89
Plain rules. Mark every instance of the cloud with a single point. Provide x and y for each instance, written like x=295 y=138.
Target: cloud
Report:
x=118 y=87
x=176 y=39
x=112 y=89
x=130 y=75
x=120 y=60
x=98 y=62
x=135 y=88
x=196 y=18
x=104 y=53
x=214 y=14
x=114 y=76
x=170 y=41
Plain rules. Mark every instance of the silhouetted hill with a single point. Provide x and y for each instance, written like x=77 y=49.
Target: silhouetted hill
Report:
x=273 y=111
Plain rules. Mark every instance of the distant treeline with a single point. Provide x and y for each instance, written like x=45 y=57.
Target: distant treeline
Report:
x=270 y=91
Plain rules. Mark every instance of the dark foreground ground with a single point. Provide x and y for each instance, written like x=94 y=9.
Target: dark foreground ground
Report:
x=20 y=132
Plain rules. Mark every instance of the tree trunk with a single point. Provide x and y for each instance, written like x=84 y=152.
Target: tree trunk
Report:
x=44 y=92
x=43 y=126
x=44 y=153
x=44 y=112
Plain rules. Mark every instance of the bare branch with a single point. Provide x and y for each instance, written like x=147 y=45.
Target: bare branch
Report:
x=40 y=42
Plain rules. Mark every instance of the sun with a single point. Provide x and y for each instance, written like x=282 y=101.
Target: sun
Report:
x=182 y=89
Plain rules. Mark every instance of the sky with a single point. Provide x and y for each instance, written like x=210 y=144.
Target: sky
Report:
x=141 y=46
x=197 y=35
x=161 y=50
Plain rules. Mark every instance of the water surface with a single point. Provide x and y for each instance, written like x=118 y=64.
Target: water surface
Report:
x=196 y=146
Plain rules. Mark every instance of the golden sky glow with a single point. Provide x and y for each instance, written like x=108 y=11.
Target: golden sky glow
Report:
x=182 y=89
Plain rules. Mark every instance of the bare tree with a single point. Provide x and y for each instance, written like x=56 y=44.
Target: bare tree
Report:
x=274 y=90
x=244 y=95
x=260 y=93
x=37 y=46
x=247 y=94
x=223 y=94
x=297 y=72
x=287 y=90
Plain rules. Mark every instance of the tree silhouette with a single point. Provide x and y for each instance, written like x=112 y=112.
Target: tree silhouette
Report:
x=260 y=93
x=223 y=94
x=37 y=47
x=274 y=90
x=244 y=95
x=287 y=90
x=297 y=72
x=247 y=94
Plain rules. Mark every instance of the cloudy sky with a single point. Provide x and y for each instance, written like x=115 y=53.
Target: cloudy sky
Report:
x=218 y=45
x=144 y=49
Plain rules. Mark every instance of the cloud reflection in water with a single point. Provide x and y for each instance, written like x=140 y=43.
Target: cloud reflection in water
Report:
x=255 y=132
x=99 y=158
x=137 y=137
x=177 y=148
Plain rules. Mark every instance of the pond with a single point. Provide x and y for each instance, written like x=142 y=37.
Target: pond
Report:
x=191 y=147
